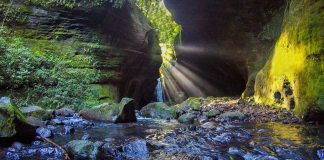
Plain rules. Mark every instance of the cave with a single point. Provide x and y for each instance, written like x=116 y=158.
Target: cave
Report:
x=161 y=79
x=216 y=41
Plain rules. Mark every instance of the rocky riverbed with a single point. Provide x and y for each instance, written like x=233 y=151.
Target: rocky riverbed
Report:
x=163 y=139
x=220 y=129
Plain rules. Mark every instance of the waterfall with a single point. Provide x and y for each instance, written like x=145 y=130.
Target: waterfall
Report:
x=159 y=91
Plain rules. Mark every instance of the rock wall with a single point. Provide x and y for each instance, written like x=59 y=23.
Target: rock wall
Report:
x=293 y=75
x=272 y=50
x=115 y=42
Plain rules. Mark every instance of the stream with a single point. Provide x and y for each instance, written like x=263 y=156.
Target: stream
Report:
x=168 y=139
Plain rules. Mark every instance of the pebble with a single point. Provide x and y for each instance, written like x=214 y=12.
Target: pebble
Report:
x=44 y=132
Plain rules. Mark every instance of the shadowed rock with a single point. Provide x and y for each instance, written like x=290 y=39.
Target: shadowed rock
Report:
x=127 y=111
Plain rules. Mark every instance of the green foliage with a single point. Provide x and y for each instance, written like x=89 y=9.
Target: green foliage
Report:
x=162 y=21
x=47 y=79
x=70 y=4
x=10 y=13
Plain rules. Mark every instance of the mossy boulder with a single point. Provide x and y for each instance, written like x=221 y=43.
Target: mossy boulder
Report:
x=36 y=112
x=211 y=113
x=187 y=118
x=158 y=110
x=192 y=103
x=104 y=112
x=232 y=116
x=7 y=116
x=82 y=149
x=14 y=123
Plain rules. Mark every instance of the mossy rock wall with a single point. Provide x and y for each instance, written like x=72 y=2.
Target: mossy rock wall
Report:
x=293 y=77
x=108 y=48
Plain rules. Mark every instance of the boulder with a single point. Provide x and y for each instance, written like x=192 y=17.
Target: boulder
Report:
x=82 y=149
x=158 y=110
x=192 y=103
x=14 y=123
x=110 y=151
x=232 y=115
x=36 y=112
x=7 y=126
x=126 y=111
x=187 y=118
x=211 y=113
x=135 y=148
x=104 y=112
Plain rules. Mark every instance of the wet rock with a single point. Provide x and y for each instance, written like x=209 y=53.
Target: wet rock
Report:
x=82 y=149
x=5 y=100
x=232 y=115
x=320 y=153
x=110 y=151
x=135 y=148
x=212 y=113
x=223 y=137
x=65 y=112
x=12 y=156
x=56 y=121
x=17 y=145
x=73 y=121
x=127 y=111
x=37 y=112
x=44 y=132
x=29 y=151
x=235 y=151
x=36 y=143
x=108 y=139
x=85 y=137
x=209 y=125
x=158 y=110
x=68 y=130
x=46 y=151
x=187 y=118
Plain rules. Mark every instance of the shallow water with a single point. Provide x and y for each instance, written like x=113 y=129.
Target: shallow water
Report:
x=171 y=140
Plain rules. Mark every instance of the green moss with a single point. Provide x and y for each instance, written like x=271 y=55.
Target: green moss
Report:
x=105 y=110
x=158 y=110
x=8 y=113
x=297 y=58
x=104 y=92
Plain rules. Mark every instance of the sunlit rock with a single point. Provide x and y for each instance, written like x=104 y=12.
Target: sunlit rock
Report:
x=158 y=110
